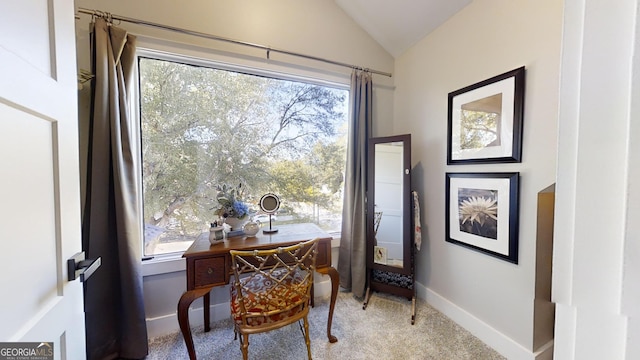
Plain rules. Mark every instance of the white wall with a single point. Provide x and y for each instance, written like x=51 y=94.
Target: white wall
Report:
x=317 y=28
x=491 y=297
x=596 y=272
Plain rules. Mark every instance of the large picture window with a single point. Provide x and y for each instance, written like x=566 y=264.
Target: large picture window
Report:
x=202 y=127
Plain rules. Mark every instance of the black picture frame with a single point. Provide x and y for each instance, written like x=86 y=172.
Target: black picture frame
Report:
x=482 y=212
x=485 y=120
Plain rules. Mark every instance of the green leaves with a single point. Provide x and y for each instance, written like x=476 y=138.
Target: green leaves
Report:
x=203 y=126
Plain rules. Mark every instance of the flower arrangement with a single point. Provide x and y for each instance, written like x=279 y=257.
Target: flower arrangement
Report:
x=230 y=202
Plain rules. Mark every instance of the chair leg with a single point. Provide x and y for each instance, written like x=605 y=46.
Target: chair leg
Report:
x=306 y=336
x=245 y=346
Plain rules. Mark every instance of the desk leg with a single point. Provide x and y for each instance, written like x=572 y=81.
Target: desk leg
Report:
x=335 y=281
x=206 y=306
x=183 y=317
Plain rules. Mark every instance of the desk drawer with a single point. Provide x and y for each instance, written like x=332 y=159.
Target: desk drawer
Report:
x=210 y=271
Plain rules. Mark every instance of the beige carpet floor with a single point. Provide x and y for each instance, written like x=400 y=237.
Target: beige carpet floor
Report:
x=382 y=331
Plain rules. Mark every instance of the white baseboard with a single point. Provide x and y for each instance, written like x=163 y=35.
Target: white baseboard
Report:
x=545 y=352
x=168 y=324
x=500 y=342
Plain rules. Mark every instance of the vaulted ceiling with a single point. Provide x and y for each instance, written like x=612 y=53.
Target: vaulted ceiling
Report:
x=399 y=24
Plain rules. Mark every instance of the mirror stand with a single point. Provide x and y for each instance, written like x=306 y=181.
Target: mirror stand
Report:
x=392 y=283
x=271 y=230
x=390 y=247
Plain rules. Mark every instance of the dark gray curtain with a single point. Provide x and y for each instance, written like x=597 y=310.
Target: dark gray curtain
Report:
x=352 y=257
x=114 y=308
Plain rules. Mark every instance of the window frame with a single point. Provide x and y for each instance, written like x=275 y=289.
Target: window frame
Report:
x=198 y=56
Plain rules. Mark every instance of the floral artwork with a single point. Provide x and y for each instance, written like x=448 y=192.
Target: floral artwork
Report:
x=478 y=209
x=481 y=212
x=230 y=202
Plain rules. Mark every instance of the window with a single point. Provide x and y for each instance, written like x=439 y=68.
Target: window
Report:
x=204 y=126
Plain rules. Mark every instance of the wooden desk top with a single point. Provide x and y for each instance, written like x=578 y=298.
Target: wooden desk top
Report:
x=288 y=234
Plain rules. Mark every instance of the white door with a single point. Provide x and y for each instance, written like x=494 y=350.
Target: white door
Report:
x=39 y=177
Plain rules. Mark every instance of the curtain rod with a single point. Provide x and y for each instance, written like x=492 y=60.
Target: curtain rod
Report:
x=110 y=17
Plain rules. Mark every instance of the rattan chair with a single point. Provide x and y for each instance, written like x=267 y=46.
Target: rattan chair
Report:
x=272 y=289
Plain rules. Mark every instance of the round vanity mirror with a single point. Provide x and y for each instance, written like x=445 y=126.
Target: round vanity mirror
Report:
x=269 y=203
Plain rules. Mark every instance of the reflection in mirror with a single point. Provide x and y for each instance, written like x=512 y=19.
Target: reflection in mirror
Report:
x=388 y=221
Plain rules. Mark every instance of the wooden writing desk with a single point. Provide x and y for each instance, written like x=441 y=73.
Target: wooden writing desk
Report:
x=210 y=265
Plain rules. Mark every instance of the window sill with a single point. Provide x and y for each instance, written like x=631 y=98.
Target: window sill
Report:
x=165 y=264
x=335 y=242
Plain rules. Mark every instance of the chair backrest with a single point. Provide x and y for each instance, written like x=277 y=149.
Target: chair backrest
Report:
x=288 y=271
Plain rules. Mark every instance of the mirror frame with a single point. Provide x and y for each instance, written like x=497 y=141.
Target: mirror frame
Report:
x=407 y=246
x=270 y=197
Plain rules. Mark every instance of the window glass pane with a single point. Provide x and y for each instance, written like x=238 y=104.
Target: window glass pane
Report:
x=203 y=128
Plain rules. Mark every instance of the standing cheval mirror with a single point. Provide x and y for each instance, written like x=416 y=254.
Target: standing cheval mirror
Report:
x=389 y=219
